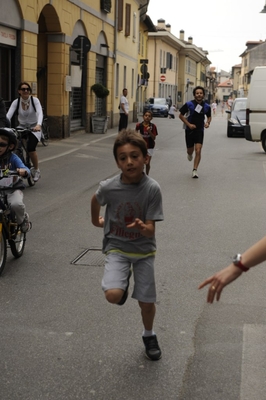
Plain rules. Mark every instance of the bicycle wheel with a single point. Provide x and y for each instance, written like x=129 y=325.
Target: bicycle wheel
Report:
x=3 y=250
x=18 y=241
x=45 y=133
x=29 y=165
x=30 y=181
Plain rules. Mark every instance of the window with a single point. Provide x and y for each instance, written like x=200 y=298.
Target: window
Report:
x=128 y=14
x=191 y=67
x=142 y=45
x=120 y=15
x=125 y=76
x=169 y=60
x=132 y=82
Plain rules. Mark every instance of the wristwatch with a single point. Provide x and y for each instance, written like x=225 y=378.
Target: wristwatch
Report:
x=237 y=262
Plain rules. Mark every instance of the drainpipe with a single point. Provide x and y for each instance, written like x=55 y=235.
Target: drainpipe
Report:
x=114 y=66
x=154 y=71
x=116 y=25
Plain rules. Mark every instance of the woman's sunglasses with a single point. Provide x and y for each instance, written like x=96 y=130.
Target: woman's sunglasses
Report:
x=2 y=144
x=25 y=89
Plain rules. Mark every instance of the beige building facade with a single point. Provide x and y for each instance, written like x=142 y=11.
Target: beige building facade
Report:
x=178 y=65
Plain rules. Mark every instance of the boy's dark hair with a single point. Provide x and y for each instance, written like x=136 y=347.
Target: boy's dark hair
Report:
x=132 y=137
x=148 y=111
x=198 y=87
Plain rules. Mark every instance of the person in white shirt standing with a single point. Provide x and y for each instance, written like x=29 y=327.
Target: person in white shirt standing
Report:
x=124 y=110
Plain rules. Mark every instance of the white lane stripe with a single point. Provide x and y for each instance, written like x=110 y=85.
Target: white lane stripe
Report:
x=253 y=371
x=76 y=148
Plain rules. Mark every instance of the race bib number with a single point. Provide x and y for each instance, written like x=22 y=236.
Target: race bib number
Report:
x=198 y=108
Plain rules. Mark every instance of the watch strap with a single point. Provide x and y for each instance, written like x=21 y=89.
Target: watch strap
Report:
x=241 y=266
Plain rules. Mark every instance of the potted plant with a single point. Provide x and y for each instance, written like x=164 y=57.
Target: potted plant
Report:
x=99 y=122
x=100 y=91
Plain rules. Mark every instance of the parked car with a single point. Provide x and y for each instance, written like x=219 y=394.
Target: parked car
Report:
x=158 y=106
x=237 y=119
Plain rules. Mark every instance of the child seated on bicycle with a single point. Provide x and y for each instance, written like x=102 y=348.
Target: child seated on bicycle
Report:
x=9 y=160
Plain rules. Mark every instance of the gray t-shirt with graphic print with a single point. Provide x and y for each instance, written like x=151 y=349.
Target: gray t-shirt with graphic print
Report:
x=124 y=203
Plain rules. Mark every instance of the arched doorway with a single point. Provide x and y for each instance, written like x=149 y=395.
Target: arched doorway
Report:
x=48 y=22
x=78 y=63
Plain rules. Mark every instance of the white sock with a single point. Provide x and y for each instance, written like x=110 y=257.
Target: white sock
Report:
x=148 y=333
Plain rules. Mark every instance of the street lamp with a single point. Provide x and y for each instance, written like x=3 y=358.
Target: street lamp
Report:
x=263 y=11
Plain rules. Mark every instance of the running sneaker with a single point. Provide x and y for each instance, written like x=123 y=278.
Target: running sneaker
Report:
x=195 y=173
x=152 y=349
x=190 y=157
x=26 y=224
x=37 y=175
x=124 y=297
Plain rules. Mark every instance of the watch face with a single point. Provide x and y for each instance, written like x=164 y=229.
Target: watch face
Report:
x=237 y=258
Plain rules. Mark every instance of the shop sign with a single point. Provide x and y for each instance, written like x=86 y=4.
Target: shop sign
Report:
x=8 y=36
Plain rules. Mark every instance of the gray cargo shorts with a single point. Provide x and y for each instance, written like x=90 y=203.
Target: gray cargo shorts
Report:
x=117 y=266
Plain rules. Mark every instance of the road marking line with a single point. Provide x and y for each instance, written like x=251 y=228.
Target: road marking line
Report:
x=253 y=370
x=76 y=148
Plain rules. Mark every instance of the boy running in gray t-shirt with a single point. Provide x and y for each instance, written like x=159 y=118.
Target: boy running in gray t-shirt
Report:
x=133 y=203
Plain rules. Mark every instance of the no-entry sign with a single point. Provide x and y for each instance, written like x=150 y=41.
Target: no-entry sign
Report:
x=163 y=77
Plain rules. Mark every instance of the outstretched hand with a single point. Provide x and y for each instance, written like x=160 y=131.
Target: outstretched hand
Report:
x=219 y=281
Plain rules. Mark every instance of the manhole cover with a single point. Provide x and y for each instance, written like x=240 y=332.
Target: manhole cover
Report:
x=90 y=257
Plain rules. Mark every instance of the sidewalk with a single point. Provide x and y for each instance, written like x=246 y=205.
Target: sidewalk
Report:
x=61 y=147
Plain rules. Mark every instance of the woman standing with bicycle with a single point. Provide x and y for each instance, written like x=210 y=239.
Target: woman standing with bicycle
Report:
x=30 y=115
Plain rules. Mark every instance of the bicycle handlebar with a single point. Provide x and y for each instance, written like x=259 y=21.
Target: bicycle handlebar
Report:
x=5 y=173
x=23 y=132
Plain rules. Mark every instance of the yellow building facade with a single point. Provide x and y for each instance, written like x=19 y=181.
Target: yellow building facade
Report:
x=61 y=47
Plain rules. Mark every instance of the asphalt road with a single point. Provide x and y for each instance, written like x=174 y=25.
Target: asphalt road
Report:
x=60 y=339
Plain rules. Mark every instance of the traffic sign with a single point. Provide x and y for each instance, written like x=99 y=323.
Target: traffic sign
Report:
x=144 y=69
x=81 y=43
x=163 y=78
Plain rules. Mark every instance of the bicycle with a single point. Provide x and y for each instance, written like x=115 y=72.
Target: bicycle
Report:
x=45 y=132
x=21 y=150
x=11 y=235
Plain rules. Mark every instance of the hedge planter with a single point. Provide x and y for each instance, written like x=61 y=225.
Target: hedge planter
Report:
x=99 y=124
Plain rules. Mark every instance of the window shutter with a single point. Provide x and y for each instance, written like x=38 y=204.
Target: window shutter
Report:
x=120 y=14
x=128 y=14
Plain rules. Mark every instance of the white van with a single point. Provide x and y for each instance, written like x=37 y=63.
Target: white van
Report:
x=255 y=129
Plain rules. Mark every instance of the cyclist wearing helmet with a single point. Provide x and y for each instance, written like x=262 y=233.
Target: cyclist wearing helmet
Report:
x=14 y=184
x=30 y=116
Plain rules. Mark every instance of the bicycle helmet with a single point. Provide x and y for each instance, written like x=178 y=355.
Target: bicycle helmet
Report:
x=10 y=134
